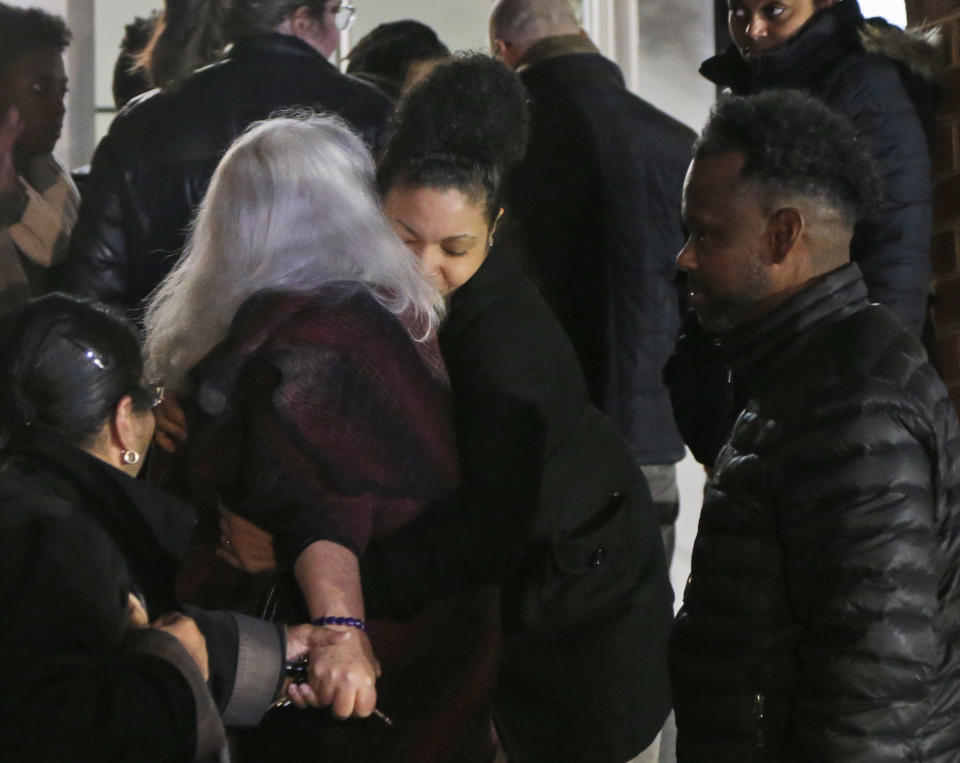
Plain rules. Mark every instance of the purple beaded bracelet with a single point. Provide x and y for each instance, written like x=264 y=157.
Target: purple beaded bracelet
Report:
x=352 y=622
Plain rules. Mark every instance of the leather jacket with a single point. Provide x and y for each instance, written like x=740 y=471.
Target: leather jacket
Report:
x=152 y=168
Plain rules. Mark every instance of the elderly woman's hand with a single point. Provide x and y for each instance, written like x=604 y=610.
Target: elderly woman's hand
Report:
x=171 y=431
x=342 y=677
x=244 y=545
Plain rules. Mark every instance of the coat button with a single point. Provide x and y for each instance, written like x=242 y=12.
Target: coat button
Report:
x=597 y=557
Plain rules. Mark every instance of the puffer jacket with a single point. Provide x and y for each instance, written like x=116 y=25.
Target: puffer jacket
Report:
x=152 y=168
x=821 y=621
x=884 y=81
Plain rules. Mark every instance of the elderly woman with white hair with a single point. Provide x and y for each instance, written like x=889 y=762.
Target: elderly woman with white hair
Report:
x=304 y=334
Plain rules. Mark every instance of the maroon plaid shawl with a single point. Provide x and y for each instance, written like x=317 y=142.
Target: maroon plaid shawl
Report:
x=321 y=419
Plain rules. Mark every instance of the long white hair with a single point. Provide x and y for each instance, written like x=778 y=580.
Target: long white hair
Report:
x=291 y=206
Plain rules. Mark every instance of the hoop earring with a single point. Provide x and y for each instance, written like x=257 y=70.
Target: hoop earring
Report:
x=130 y=457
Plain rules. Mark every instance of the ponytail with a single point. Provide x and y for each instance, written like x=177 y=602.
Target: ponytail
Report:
x=67 y=362
x=189 y=34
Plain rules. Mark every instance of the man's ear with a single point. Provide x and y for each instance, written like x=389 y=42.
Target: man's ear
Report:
x=783 y=232
x=300 y=20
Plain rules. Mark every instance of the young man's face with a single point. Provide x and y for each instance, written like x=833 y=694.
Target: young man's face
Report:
x=723 y=258
x=36 y=83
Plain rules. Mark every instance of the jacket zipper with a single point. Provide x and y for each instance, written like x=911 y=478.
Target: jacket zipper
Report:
x=758 y=716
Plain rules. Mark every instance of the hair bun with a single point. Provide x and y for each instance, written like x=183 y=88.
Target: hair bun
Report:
x=473 y=108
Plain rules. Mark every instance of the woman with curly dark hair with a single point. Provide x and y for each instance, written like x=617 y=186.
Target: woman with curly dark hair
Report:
x=552 y=506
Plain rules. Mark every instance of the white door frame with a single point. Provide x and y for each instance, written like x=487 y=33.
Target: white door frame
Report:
x=614 y=26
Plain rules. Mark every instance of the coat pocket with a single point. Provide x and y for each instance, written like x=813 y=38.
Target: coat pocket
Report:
x=593 y=566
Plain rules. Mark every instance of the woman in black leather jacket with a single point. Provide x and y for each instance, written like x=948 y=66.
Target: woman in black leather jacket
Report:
x=152 y=168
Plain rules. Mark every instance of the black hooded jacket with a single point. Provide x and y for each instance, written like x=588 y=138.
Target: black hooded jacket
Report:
x=821 y=621
x=883 y=80
x=77 y=538
x=552 y=507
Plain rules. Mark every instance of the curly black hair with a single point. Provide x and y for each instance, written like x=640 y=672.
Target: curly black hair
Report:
x=386 y=52
x=794 y=144
x=463 y=127
x=23 y=30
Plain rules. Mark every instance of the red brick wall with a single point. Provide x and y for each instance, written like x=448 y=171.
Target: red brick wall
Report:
x=945 y=252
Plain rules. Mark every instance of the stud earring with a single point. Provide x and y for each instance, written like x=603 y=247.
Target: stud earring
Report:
x=130 y=457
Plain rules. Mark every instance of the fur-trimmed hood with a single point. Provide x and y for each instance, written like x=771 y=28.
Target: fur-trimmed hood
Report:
x=921 y=51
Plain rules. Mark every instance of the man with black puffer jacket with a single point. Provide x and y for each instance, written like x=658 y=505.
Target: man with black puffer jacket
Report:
x=821 y=621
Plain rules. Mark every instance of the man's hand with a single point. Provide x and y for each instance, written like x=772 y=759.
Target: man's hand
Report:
x=171 y=431
x=185 y=630
x=244 y=545
x=136 y=614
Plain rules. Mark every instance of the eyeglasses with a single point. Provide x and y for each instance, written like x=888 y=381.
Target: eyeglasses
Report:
x=343 y=15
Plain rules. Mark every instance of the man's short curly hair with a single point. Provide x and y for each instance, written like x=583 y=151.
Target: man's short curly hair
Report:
x=796 y=146
x=23 y=30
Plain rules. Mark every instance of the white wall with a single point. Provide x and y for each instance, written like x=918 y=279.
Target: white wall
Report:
x=110 y=17
x=659 y=44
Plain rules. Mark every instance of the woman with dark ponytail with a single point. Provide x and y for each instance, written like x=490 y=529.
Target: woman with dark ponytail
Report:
x=152 y=168
x=87 y=560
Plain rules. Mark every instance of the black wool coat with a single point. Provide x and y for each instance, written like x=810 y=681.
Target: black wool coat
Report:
x=596 y=203
x=552 y=506
x=77 y=537
x=821 y=621
x=884 y=81
x=152 y=168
